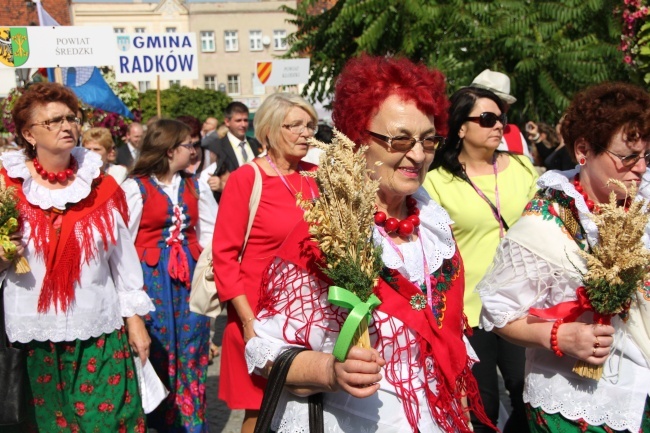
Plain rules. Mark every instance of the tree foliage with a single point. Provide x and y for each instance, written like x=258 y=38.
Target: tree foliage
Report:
x=179 y=100
x=550 y=49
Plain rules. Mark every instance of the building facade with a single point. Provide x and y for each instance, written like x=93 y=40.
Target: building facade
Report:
x=232 y=36
x=133 y=16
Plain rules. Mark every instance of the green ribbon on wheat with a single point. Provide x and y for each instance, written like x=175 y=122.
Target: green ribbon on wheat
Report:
x=358 y=310
x=8 y=228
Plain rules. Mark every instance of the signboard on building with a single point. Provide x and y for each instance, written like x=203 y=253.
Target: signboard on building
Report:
x=51 y=47
x=144 y=57
x=283 y=72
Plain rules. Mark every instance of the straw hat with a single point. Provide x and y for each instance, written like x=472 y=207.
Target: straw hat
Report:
x=497 y=82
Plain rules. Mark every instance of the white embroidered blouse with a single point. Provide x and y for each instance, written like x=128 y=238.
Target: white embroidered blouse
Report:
x=533 y=268
x=383 y=411
x=207 y=206
x=111 y=283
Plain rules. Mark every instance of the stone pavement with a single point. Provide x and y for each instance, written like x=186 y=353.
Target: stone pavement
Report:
x=220 y=418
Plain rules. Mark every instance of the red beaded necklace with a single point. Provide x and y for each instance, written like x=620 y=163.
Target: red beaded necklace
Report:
x=61 y=176
x=576 y=183
x=404 y=227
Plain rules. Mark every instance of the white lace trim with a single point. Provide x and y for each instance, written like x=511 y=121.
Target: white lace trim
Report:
x=561 y=180
x=89 y=165
x=437 y=238
x=519 y=280
x=38 y=332
x=135 y=302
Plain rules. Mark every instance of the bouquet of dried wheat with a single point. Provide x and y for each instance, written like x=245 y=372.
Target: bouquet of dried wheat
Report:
x=618 y=265
x=9 y=224
x=341 y=222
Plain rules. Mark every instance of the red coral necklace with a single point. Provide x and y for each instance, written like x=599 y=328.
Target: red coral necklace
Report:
x=404 y=227
x=576 y=183
x=61 y=176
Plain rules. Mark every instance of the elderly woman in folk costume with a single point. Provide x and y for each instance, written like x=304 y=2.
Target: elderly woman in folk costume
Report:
x=556 y=275
x=78 y=310
x=417 y=375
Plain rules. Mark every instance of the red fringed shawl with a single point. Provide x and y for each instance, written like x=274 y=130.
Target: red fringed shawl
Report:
x=64 y=240
x=437 y=331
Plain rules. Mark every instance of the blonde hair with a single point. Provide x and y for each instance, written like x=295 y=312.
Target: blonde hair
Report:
x=271 y=114
x=100 y=135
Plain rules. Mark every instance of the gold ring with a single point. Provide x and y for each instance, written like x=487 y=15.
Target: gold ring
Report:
x=593 y=352
x=597 y=343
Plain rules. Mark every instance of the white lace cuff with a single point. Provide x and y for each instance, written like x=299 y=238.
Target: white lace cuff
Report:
x=135 y=302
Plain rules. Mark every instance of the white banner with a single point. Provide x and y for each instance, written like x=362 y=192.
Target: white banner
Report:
x=144 y=56
x=283 y=72
x=50 y=47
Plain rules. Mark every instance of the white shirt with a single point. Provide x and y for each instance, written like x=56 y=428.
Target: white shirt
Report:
x=134 y=152
x=207 y=206
x=111 y=283
x=234 y=142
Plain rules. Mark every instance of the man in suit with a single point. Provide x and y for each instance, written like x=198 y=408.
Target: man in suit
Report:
x=128 y=153
x=235 y=149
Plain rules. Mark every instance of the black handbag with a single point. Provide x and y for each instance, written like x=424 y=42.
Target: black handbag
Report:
x=274 y=387
x=13 y=368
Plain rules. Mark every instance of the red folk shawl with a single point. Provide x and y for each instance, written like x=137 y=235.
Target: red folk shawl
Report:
x=439 y=335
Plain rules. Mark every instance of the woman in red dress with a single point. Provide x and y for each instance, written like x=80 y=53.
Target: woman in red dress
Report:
x=283 y=124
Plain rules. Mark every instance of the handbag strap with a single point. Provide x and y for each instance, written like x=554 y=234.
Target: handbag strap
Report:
x=253 y=204
x=3 y=335
x=274 y=388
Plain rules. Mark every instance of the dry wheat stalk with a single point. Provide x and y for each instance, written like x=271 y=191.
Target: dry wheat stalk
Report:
x=341 y=219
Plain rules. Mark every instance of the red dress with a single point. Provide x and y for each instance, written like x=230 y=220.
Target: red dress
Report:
x=276 y=216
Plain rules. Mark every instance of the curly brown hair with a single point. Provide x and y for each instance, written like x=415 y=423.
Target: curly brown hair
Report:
x=597 y=113
x=39 y=94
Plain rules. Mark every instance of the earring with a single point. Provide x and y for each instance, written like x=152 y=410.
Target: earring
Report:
x=582 y=161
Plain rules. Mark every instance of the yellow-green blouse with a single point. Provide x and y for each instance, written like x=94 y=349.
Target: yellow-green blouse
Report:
x=475 y=227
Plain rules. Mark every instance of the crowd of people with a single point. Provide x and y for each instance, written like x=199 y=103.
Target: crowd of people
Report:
x=499 y=221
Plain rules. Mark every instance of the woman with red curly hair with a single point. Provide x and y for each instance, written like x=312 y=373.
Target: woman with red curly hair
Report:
x=417 y=376
x=540 y=265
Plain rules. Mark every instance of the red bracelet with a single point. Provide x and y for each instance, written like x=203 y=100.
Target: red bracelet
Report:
x=554 y=347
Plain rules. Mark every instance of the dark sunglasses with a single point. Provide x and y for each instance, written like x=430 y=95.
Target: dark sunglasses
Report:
x=631 y=159
x=488 y=120
x=405 y=143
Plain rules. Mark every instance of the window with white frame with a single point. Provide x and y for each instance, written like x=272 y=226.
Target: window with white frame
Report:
x=139 y=29
x=279 y=39
x=233 y=85
x=143 y=86
x=258 y=87
x=232 y=42
x=173 y=83
x=207 y=41
x=255 y=39
x=170 y=29
x=210 y=82
x=118 y=29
